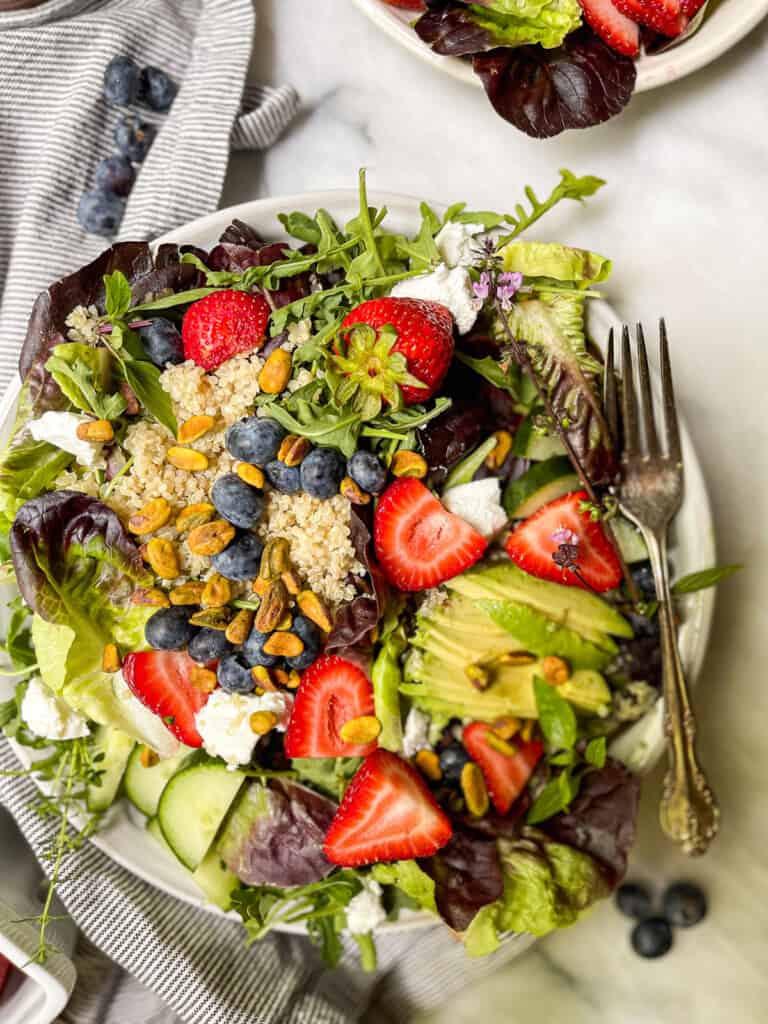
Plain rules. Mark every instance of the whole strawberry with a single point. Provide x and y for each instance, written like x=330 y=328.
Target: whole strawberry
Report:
x=222 y=325
x=394 y=351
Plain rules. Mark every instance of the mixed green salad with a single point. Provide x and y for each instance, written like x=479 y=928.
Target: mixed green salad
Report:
x=319 y=569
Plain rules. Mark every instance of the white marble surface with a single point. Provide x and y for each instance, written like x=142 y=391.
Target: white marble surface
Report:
x=684 y=218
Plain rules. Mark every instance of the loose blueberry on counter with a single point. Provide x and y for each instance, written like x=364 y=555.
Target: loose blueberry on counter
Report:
x=313 y=639
x=254 y=439
x=162 y=342
x=286 y=479
x=169 y=629
x=100 y=212
x=133 y=137
x=157 y=90
x=452 y=760
x=115 y=174
x=241 y=560
x=321 y=472
x=234 y=675
x=121 y=81
x=652 y=937
x=209 y=645
x=367 y=472
x=684 y=904
x=634 y=900
x=236 y=501
x=253 y=651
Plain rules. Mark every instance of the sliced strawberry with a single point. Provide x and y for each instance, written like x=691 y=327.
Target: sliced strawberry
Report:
x=407 y=5
x=222 y=325
x=161 y=681
x=5 y=970
x=558 y=525
x=418 y=542
x=665 y=8
x=332 y=691
x=619 y=31
x=648 y=14
x=387 y=814
x=505 y=776
x=691 y=7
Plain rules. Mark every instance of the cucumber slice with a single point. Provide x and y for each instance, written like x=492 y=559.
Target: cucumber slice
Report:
x=630 y=540
x=530 y=444
x=193 y=805
x=542 y=483
x=116 y=746
x=143 y=786
x=213 y=877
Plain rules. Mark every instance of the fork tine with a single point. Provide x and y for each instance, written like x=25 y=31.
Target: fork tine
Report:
x=610 y=393
x=668 y=396
x=629 y=400
x=646 y=398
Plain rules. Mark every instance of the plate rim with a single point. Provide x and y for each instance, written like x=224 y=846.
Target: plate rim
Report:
x=654 y=70
x=203 y=231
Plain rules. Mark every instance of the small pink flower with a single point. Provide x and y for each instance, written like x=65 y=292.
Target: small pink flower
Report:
x=482 y=289
x=508 y=285
x=564 y=536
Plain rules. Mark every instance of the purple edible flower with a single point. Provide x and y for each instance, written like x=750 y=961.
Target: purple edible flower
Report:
x=564 y=536
x=482 y=289
x=507 y=286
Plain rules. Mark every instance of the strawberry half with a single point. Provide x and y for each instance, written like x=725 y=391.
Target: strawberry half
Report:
x=691 y=7
x=387 y=814
x=222 y=325
x=620 y=32
x=649 y=14
x=5 y=970
x=161 y=681
x=393 y=348
x=332 y=691
x=532 y=544
x=407 y=5
x=506 y=777
x=418 y=542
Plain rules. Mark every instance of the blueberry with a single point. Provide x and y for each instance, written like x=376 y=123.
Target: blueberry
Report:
x=253 y=439
x=115 y=174
x=313 y=639
x=283 y=478
x=642 y=574
x=234 y=675
x=652 y=937
x=162 y=342
x=321 y=472
x=452 y=760
x=236 y=501
x=133 y=137
x=685 y=904
x=634 y=900
x=253 y=650
x=156 y=89
x=100 y=212
x=121 y=81
x=209 y=645
x=241 y=560
x=367 y=472
x=169 y=629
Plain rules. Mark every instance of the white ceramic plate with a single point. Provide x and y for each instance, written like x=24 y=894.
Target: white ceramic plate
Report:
x=725 y=26
x=124 y=837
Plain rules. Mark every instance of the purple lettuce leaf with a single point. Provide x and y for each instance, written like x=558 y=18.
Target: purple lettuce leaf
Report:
x=355 y=619
x=544 y=92
x=275 y=835
x=467 y=874
x=452 y=31
x=240 y=248
x=601 y=820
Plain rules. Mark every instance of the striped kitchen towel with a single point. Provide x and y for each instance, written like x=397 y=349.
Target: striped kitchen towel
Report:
x=55 y=128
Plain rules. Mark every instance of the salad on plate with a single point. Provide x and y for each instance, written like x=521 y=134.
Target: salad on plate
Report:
x=551 y=65
x=319 y=568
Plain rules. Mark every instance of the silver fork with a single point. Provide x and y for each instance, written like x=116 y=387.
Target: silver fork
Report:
x=650 y=495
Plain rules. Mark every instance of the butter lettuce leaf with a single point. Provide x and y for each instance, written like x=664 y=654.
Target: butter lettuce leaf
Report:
x=409 y=878
x=559 y=262
x=509 y=23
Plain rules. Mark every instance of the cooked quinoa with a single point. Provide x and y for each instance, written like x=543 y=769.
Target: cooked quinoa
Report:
x=227 y=394
x=319 y=535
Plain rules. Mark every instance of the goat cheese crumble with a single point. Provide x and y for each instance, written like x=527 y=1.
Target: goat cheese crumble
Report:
x=455 y=243
x=60 y=429
x=416 y=733
x=479 y=504
x=224 y=723
x=50 y=717
x=452 y=286
x=364 y=911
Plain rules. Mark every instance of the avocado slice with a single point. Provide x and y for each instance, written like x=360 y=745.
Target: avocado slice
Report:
x=578 y=610
x=539 y=485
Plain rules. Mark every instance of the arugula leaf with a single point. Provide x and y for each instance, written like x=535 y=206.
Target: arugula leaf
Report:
x=299 y=225
x=177 y=299
x=570 y=187
x=84 y=375
x=505 y=377
x=144 y=380
x=556 y=716
x=703 y=579
x=595 y=752
x=117 y=295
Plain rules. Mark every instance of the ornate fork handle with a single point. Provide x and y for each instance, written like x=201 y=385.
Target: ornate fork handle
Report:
x=689 y=813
